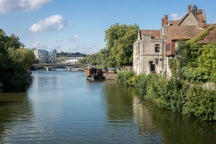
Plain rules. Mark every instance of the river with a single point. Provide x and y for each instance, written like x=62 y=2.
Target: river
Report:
x=63 y=107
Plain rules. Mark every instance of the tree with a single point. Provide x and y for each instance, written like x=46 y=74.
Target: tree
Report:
x=15 y=61
x=195 y=62
x=22 y=56
x=119 y=42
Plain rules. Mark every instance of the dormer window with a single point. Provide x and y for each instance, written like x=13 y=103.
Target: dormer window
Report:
x=157 y=48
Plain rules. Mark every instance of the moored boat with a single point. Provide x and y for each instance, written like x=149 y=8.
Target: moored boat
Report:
x=93 y=73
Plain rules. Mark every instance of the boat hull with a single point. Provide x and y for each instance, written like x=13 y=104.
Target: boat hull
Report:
x=96 y=78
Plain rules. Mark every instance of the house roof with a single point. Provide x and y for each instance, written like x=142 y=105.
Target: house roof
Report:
x=199 y=16
x=184 y=32
x=173 y=22
x=210 y=37
x=154 y=33
x=183 y=18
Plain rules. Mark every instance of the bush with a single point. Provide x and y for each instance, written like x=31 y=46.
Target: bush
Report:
x=126 y=77
x=200 y=103
x=175 y=95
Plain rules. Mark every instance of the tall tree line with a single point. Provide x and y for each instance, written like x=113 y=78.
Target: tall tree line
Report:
x=15 y=61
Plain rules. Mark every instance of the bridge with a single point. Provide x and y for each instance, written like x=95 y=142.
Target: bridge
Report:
x=50 y=66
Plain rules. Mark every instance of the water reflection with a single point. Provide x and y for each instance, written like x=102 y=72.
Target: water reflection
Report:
x=127 y=115
x=180 y=129
x=145 y=125
x=174 y=128
x=62 y=107
x=125 y=110
x=143 y=117
x=15 y=108
x=119 y=102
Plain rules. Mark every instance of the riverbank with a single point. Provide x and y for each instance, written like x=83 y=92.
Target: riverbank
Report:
x=175 y=95
x=110 y=75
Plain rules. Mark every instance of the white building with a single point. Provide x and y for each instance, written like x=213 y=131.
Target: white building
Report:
x=43 y=56
x=53 y=56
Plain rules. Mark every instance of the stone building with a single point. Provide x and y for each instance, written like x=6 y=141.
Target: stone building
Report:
x=148 y=52
x=153 y=48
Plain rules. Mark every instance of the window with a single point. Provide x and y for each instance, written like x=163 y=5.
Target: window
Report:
x=157 y=48
x=152 y=66
x=156 y=61
x=167 y=47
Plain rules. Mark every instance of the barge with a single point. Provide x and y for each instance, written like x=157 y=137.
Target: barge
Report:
x=95 y=74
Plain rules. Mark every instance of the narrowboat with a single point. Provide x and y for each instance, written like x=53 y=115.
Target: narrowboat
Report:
x=94 y=74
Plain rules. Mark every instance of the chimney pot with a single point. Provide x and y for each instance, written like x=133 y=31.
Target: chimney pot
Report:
x=189 y=8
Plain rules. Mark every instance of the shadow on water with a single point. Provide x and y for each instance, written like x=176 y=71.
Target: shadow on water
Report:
x=15 y=88
x=176 y=128
x=14 y=108
x=155 y=125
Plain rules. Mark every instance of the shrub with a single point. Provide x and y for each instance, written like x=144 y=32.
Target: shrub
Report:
x=126 y=77
x=200 y=103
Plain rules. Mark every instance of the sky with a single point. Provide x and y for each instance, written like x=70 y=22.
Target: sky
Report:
x=80 y=25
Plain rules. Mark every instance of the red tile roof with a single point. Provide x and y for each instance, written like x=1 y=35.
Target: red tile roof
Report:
x=154 y=33
x=183 y=32
x=210 y=37
x=173 y=22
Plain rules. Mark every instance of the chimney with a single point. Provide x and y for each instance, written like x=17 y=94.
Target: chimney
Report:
x=189 y=8
x=162 y=22
x=165 y=20
x=199 y=12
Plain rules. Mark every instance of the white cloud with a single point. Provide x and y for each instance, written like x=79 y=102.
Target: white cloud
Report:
x=11 y=5
x=43 y=46
x=39 y=45
x=175 y=16
x=52 y=23
x=83 y=48
x=74 y=37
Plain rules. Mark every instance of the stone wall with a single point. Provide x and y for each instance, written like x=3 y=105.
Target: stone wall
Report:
x=146 y=59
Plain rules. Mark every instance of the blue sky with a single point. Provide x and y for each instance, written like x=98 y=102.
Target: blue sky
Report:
x=79 y=25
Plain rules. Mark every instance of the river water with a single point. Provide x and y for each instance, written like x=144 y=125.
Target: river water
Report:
x=63 y=107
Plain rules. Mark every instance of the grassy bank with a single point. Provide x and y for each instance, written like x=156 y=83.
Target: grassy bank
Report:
x=175 y=95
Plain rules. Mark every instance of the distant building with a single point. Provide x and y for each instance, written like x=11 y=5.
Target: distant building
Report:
x=53 y=56
x=43 y=56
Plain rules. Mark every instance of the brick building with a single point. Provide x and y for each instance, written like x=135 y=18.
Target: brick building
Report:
x=153 y=48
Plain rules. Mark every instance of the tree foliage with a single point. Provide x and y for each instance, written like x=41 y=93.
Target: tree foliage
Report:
x=119 y=43
x=119 y=47
x=195 y=63
x=97 y=59
x=15 y=61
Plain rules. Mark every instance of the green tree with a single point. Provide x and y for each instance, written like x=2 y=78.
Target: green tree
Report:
x=96 y=59
x=15 y=61
x=22 y=56
x=119 y=42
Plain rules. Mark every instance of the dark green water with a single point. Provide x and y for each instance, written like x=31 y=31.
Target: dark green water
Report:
x=63 y=107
